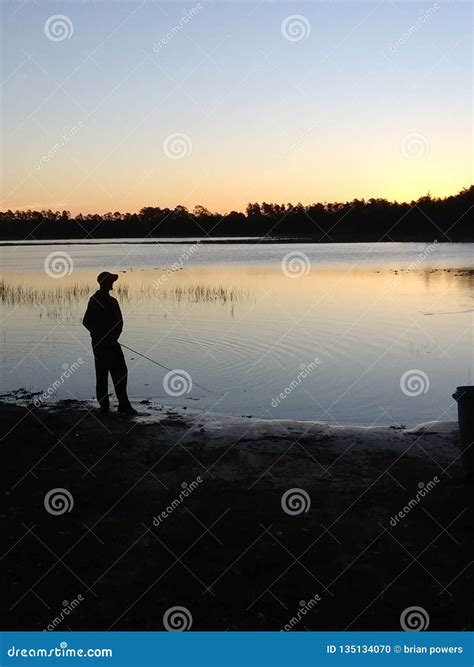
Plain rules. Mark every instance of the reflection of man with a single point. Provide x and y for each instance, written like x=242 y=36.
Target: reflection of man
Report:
x=103 y=319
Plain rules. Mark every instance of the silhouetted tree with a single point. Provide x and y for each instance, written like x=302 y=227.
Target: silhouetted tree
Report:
x=427 y=218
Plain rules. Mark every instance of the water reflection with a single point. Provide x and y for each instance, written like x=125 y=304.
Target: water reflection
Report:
x=246 y=330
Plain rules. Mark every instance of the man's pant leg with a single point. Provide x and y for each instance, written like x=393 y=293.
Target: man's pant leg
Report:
x=102 y=378
x=119 y=373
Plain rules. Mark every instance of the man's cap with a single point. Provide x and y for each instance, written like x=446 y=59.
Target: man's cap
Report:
x=106 y=277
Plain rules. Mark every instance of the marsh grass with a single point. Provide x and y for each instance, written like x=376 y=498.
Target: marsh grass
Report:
x=207 y=294
x=28 y=295
x=58 y=301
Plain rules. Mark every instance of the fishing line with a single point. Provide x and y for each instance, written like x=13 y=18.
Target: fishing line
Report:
x=167 y=369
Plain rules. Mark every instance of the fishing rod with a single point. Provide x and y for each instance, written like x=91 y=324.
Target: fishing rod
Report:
x=165 y=367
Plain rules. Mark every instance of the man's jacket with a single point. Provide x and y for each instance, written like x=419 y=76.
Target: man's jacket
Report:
x=103 y=318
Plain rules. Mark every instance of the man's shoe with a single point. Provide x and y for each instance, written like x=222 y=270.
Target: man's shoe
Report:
x=127 y=410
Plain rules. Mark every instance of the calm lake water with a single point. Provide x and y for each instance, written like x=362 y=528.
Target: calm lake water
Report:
x=343 y=333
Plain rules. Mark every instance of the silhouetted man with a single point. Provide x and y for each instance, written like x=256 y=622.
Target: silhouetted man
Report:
x=103 y=319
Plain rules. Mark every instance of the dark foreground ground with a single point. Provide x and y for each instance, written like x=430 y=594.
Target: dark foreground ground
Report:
x=229 y=553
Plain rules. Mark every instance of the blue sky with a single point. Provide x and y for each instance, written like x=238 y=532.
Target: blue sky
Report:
x=374 y=100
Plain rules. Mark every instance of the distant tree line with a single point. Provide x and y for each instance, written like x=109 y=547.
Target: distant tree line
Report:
x=428 y=218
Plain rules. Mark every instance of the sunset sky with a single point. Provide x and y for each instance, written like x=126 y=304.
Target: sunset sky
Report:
x=345 y=100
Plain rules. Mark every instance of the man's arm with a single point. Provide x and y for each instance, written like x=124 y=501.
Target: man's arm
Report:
x=90 y=317
x=118 y=324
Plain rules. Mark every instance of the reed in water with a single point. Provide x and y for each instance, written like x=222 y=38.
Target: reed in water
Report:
x=17 y=294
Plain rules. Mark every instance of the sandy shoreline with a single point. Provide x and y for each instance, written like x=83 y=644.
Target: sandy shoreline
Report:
x=384 y=521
